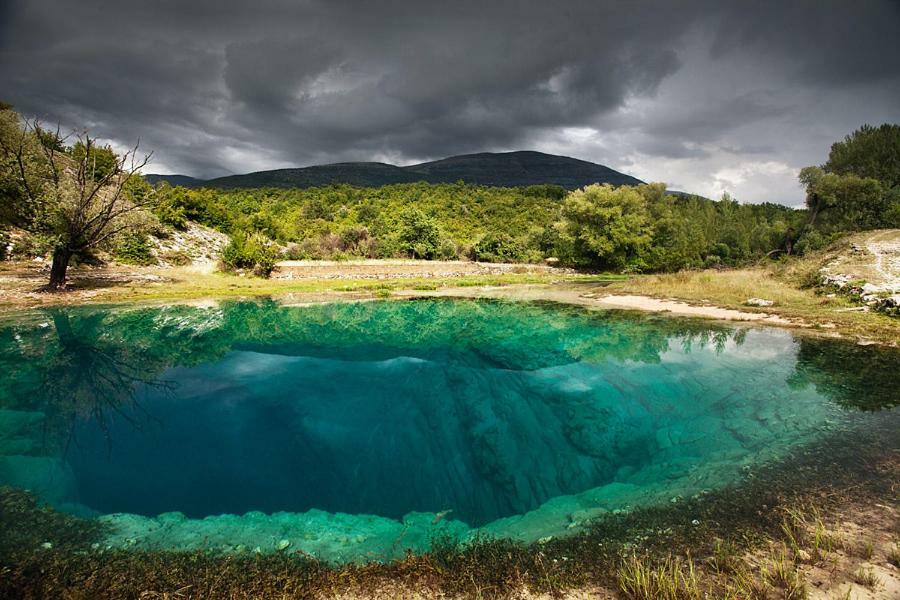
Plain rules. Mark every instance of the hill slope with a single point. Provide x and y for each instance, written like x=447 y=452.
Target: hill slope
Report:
x=182 y=180
x=364 y=174
x=506 y=169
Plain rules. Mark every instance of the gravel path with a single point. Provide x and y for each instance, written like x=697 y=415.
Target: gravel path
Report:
x=884 y=246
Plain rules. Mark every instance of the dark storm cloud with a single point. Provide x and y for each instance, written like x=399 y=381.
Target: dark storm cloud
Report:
x=826 y=42
x=225 y=86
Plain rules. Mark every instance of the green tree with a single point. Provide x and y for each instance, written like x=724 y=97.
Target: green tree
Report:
x=488 y=223
x=419 y=234
x=100 y=161
x=868 y=152
x=51 y=139
x=168 y=209
x=497 y=247
x=606 y=227
x=843 y=202
x=50 y=193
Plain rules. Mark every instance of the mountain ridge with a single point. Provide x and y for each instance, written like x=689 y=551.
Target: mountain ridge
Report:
x=501 y=169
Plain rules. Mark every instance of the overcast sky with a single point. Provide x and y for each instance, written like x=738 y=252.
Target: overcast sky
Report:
x=707 y=96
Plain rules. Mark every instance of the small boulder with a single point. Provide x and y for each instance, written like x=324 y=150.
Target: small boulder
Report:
x=758 y=302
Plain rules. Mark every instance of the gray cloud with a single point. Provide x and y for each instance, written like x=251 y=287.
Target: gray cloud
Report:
x=701 y=92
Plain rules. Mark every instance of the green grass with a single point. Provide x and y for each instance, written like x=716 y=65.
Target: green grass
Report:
x=673 y=578
x=731 y=288
x=185 y=284
x=894 y=555
x=866 y=578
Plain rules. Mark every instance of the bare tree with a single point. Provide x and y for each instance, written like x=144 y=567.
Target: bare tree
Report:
x=69 y=199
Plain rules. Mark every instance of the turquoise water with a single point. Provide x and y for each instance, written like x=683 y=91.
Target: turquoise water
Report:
x=358 y=430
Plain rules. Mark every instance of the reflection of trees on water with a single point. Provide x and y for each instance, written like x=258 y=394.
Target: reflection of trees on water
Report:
x=860 y=377
x=89 y=363
x=82 y=373
x=715 y=338
x=91 y=379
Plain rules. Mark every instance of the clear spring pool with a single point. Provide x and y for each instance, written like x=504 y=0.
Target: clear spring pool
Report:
x=358 y=430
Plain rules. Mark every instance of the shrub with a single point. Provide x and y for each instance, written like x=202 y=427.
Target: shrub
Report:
x=330 y=243
x=178 y=258
x=419 y=235
x=497 y=247
x=309 y=249
x=892 y=213
x=712 y=261
x=31 y=245
x=253 y=252
x=721 y=250
x=355 y=240
x=170 y=213
x=811 y=240
x=134 y=249
x=447 y=250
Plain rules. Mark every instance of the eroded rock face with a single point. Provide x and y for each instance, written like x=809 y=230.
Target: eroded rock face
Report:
x=196 y=245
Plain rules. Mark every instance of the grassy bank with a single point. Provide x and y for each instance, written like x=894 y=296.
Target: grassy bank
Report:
x=19 y=285
x=788 y=285
x=780 y=284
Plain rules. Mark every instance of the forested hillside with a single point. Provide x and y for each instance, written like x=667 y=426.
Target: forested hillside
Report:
x=640 y=228
x=504 y=169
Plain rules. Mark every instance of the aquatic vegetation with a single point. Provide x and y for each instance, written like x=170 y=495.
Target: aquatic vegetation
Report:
x=807 y=535
x=27 y=526
x=725 y=557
